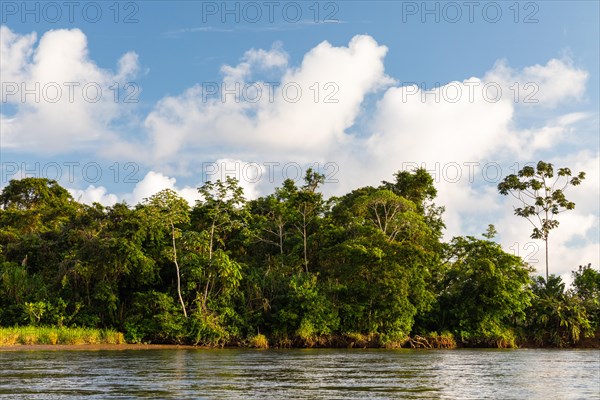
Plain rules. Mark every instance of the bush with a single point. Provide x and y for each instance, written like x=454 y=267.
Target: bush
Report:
x=433 y=340
x=110 y=336
x=259 y=341
x=556 y=318
x=206 y=329
x=155 y=318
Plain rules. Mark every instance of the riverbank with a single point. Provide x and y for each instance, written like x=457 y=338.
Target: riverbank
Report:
x=51 y=336
x=95 y=347
x=61 y=338
x=585 y=344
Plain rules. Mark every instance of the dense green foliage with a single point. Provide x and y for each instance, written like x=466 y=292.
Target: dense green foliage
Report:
x=287 y=269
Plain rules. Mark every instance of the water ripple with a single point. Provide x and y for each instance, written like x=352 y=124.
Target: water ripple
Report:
x=301 y=374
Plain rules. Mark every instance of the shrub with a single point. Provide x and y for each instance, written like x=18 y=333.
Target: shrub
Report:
x=259 y=341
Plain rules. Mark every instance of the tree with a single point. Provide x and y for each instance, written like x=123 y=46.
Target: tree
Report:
x=167 y=209
x=586 y=286
x=105 y=258
x=221 y=208
x=35 y=214
x=391 y=214
x=375 y=257
x=220 y=212
x=272 y=217
x=556 y=317
x=309 y=204
x=417 y=186
x=28 y=193
x=482 y=291
x=542 y=196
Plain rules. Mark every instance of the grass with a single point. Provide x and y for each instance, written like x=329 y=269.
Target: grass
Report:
x=58 y=335
x=259 y=341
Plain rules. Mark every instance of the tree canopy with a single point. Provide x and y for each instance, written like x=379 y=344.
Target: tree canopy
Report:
x=368 y=268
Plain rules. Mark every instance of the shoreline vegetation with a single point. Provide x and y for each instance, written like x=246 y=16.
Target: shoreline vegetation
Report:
x=63 y=338
x=43 y=335
x=292 y=269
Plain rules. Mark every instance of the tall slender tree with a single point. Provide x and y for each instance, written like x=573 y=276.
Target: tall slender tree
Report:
x=541 y=194
x=167 y=209
x=309 y=204
x=220 y=212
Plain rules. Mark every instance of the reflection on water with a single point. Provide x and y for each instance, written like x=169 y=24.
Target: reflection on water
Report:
x=302 y=374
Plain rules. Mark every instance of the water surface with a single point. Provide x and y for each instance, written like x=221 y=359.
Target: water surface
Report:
x=301 y=374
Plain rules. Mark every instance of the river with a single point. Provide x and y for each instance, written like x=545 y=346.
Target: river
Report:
x=301 y=374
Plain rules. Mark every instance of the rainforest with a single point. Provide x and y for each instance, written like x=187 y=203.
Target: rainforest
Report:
x=370 y=268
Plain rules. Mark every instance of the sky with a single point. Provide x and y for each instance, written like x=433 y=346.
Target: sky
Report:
x=117 y=100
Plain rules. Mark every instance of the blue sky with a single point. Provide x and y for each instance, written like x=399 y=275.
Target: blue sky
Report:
x=543 y=55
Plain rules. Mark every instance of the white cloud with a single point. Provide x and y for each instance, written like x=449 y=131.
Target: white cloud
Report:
x=282 y=121
x=250 y=175
x=63 y=99
x=421 y=127
x=93 y=194
x=255 y=60
x=154 y=182
x=15 y=53
x=557 y=82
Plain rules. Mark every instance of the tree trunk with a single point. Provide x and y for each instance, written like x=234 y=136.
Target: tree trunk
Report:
x=305 y=250
x=205 y=295
x=546 y=260
x=177 y=268
x=546 y=233
x=281 y=244
x=210 y=254
x=210 y=245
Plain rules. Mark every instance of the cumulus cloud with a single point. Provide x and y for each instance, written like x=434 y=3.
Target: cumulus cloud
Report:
x=154 y=182
x=247 y=174
x=63 y=100
x=250 y=177
x=556 y=82
x=255 y=59
x=303 y=115
x=93 y=194
x=15 y=53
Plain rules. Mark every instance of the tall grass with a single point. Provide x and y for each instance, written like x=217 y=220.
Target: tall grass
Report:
x=58 y=335
x=259 y=341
